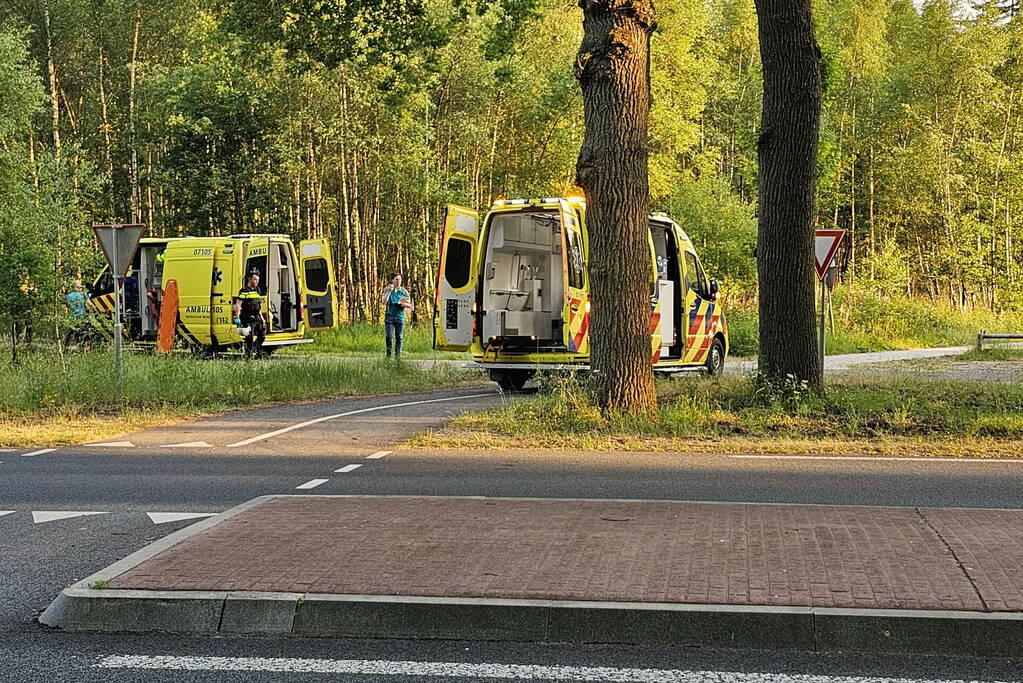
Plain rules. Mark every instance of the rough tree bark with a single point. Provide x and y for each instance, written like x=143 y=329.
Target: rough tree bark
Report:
x=787 y=160
x=613 y=68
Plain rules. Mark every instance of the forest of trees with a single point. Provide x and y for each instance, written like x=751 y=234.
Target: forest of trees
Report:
x=182 y=115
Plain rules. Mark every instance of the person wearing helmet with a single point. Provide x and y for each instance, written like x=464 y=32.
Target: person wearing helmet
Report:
x=248 y=313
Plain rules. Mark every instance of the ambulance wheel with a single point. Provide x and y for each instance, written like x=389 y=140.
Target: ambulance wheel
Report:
x=511 y=380
x=715 y=359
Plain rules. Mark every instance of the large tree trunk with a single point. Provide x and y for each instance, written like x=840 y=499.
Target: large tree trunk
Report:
x=787 y=157
x=613 y=68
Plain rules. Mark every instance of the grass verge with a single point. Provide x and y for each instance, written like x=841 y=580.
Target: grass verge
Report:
x=46 y=404
x=992 y=354
x=883 y=416
x=365 y=339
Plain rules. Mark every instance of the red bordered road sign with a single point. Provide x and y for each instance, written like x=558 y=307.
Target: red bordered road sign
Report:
x=825 y=246
x=118 y=242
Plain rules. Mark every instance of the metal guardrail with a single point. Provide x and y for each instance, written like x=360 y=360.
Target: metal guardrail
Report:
x=983 y=334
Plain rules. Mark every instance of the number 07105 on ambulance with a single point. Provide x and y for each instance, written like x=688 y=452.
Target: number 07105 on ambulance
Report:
x=514 y=291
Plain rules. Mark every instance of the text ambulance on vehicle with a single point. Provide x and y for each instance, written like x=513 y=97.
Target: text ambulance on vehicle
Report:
x=297 y=287
x=514 y=291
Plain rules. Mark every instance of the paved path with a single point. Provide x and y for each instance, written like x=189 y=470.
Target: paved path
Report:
x=845 y=361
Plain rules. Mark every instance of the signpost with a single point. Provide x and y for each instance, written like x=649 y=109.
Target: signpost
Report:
x=118 y=242
x=825 y=246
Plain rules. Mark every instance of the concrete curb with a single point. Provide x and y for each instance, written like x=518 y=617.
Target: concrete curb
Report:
x=86 y=606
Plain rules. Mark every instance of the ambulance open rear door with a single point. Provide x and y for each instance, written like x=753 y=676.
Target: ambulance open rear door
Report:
x=320 y=290
x=457 y=275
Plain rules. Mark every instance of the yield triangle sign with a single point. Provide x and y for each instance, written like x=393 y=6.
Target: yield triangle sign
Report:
x=825 y=246
x=118 y=243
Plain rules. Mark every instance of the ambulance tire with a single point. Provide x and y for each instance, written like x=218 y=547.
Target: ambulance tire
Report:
x=511 y=380
x=715 y=362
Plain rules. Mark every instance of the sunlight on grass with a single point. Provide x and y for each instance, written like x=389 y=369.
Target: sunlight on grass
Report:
x=857 y=414
x=46 y=405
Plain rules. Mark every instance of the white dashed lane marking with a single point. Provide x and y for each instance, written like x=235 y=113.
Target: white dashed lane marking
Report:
x=312 y=483
x=39 y=452
x=7 y=512
x=378 y=455
x=307 y=423
x=348 y=468
x=40 y=516
x=474 y=671
x=188 y=444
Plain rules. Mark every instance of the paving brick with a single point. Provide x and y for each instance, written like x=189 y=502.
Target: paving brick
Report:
x=735 y=553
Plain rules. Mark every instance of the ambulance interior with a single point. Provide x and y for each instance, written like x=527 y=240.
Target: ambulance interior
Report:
x=669 y=284
x=279 y=284
x=150 y=277
x=522 y=283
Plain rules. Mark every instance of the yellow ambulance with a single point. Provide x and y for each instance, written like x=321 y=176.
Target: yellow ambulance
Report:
x=514 y=291
x=297 y=285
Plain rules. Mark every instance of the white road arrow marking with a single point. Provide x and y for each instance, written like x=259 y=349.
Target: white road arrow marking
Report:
x=164 y=517
x=377 y=455
x=188 y=444
x=40 y=516
x=348 y=468
x=113 y=444
x=312 y=483
x=39 y=452
x=469 y=670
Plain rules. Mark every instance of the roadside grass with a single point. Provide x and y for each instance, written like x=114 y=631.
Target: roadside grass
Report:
x=365 y=339
x=870 y=320
x=858 y=414
x=44 y=404
x=992 y=354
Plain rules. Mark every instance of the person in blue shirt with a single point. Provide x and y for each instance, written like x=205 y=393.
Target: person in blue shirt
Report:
x=78 y=324
x=397 y=300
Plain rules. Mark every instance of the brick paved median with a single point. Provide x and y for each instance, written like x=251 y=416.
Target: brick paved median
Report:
x=666 y=552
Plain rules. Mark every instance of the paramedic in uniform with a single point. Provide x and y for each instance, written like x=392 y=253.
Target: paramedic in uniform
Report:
x=248 y=312
x=396 y=300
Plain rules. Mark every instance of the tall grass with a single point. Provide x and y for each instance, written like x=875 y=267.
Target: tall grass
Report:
x=367 y=339
x=872 y=321
x=39 y=383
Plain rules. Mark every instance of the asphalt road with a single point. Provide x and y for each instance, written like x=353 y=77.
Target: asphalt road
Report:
x=155 y=474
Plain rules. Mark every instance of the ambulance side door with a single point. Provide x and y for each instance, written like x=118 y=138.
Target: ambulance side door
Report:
x=577 y=293
x=697 y=308
x=318 y=285
x=256 y=259
x=457 y=276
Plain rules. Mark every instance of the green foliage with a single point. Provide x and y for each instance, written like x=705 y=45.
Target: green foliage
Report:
x=358 y=121
x=721 y=227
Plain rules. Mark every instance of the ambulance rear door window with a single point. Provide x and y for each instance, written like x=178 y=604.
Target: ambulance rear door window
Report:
x=457 y=264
